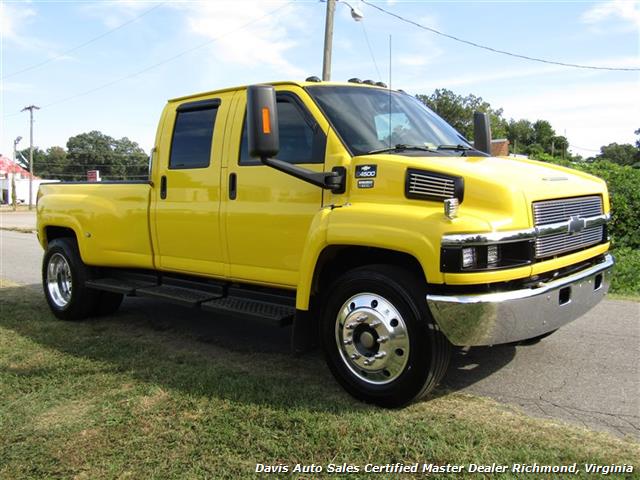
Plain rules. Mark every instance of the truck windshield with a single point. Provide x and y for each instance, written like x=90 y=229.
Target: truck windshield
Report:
x=373 y=120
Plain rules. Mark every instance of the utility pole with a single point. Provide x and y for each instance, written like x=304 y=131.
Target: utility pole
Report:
x=356 y=14
x=31 y=108
x=328 y=41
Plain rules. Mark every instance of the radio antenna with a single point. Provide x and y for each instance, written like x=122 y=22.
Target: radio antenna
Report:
x=390 y=131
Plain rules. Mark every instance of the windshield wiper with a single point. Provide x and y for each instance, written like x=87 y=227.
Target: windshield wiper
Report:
x=454 y=147
x=457 y=148
x=401 y=147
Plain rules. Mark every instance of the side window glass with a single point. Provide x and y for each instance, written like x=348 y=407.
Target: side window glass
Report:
x=296 y=136
x=191 y=142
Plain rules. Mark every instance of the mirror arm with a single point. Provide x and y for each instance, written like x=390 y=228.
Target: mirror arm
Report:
x=334 y=180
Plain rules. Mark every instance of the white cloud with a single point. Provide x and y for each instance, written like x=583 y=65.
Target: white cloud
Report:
x=15 y=87
x=534 y=71
x=12 y=21
x=412 y=60
x=115 y=13
x=265 y=42
x=592 y=114
x=625 y=11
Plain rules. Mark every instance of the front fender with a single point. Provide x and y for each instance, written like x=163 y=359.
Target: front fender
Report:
x=371 y=225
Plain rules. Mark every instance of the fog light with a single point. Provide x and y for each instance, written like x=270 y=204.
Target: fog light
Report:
x=468 y=257
x=492 y=255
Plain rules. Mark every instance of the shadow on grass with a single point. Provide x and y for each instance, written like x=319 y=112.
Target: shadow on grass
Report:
x=240 y=360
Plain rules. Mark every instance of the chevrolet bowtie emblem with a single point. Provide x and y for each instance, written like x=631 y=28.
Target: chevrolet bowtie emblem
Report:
x=576 y=224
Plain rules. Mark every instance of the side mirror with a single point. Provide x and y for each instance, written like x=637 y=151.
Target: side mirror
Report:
x=481 y=132
x=262 y=121
x=264 y=141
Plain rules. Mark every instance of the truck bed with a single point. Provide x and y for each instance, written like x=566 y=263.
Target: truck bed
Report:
x=109 y=219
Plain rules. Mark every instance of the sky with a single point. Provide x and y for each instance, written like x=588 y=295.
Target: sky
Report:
x=112 y=65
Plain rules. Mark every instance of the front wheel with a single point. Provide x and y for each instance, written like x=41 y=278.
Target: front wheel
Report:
x=379 y=338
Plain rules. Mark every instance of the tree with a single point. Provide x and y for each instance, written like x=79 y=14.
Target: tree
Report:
x=57 y=163
x=520 y=134
x=50 y=164
x=116 y=159
x=543 y=134
x=39 y=159
x=559 y=146
x=622 y=154
x=458 y=111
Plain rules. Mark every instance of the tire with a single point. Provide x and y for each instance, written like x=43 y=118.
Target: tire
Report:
x=379 y=338
x=108 y=303
x=63 y=279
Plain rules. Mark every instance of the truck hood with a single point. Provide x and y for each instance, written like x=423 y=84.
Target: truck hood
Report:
x=501 y=185
x=536 y=180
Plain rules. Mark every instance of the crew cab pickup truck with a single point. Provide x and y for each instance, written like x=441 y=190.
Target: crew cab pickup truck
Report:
x=349 y=209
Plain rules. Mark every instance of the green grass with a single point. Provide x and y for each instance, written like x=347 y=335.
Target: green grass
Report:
x=116 y=398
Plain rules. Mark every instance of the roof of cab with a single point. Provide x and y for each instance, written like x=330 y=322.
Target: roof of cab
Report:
x=285 y=82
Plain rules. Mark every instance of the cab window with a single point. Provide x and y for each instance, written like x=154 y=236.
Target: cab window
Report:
x=192 y=134
x=299 y=140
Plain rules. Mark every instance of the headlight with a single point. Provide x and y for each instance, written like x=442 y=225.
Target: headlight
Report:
x=469 y=257
x=493 y=255
x=477 y=258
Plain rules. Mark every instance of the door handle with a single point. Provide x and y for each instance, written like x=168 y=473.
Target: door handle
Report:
x=233 y=186
x=163 y=187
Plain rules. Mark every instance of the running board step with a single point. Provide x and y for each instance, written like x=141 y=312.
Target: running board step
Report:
x=119 y=285
x=280 y=314
x=179 y=295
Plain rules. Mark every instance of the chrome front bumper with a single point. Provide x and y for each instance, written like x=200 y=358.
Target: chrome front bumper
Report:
x=510 y=316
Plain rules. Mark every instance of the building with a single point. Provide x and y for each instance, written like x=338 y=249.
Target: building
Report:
x=500 y=147
x=12 y=176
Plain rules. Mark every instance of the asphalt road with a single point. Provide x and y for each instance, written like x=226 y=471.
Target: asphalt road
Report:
x=587 y=373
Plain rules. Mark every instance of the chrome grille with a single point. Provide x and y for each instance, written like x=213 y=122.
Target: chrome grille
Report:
x=561 y=210
x=424 y=184
x=565 y=242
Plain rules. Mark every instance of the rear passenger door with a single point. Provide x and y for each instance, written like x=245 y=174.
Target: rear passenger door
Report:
x=187 y=196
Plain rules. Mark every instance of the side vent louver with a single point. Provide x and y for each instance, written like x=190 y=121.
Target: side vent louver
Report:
x=424 y=185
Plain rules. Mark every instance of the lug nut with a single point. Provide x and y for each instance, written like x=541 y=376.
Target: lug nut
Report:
x=382 y=339
x=351 y=326
x=347 y=341
x=380 y=355
x=369 y=361
x=355 y=356
x=375 y=323
x=361 y=318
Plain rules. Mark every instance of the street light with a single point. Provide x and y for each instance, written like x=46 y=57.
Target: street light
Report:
x=13 y=174
x=356 y=14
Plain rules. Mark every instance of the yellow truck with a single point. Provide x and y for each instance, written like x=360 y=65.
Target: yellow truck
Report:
x=348 y=209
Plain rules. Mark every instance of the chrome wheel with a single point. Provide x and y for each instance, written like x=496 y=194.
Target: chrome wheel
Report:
x=372 y=338
x=59 y=282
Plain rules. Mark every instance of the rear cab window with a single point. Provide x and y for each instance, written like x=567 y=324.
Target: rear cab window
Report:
x=192 y=134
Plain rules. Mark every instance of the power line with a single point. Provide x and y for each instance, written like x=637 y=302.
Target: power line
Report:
x=366 y=37
x=167 y=60
x=84 y=44
x=586 y=149
x=495 y=50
